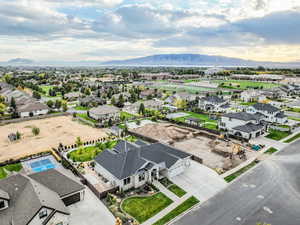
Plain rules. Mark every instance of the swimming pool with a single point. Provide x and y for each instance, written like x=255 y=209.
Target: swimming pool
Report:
x=42 y=165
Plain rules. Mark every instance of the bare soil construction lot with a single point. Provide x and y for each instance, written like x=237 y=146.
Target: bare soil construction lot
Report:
x=52 y=132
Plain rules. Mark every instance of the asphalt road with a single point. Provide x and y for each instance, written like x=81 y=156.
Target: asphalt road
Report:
x=270 y=193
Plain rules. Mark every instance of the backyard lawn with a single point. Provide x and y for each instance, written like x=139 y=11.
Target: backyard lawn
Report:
x=239 y=172
x=127 y=115
x=277 y=135
x=143 y=208
x=10 y=168
x=209 y=123
x=294 y=118
x=177 y=190
x=85 y=154
x=187 y=204
x=83 y=108
x=86 y=117
x=46 y=89
x=295 y=137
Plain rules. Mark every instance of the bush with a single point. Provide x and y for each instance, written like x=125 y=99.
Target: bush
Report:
x=35 y=131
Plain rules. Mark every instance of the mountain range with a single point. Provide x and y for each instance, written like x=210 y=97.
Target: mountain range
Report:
x=158 y=60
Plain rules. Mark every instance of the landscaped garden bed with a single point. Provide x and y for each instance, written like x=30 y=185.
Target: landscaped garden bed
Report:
x=187 y=204
x=137 y=204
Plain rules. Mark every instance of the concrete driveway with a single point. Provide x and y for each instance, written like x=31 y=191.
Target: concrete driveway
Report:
x=200 y=181
x=90 y=211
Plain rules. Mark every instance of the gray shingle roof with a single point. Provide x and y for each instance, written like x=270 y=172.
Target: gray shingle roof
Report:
x=57 y=182
x=213 y=99
x=4 y=195
x=105 y=109
x=28 y=195
x=265 y=107
x=123 y=164
x=242 y=116
x=249 y=127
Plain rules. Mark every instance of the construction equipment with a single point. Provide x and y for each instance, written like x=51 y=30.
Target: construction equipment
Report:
x=237 y=149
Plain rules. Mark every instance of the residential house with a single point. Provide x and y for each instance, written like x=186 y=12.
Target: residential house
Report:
x=91 y=101
x=291 y=89
x=149 y=104
x=252 y=96
x=213 y=104
x=104 y=113
x=32 y=109
x=242 y=124
x=40 y=198
x=72 y=96
x=270 y=113
x=132 y=165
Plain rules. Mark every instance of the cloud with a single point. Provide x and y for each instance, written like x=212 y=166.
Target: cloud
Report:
x=86 y=3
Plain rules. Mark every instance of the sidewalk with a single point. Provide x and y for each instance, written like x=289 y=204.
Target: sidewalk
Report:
x=297 y=131
x=164 y=212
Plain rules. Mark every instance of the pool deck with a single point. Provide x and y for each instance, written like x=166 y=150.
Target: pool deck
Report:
x=44 y=165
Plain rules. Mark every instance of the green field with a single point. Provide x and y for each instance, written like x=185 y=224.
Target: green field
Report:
x=181 y=88
x=187 y=204
x=127 y=115
x=86 y=117
x=82 y=108
x=294 y=118
x=242 y=85
x=277 y=135
x=143 y=208
x=209 y=123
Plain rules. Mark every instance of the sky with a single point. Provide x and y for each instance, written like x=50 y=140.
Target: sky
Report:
x=83 y=30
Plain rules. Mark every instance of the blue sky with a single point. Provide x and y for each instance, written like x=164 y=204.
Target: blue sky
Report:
x=77 y=30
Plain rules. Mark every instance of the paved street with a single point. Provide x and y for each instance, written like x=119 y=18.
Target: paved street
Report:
x=270 y=193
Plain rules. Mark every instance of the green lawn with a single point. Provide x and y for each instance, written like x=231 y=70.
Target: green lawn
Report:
x=296 y=110
x=131 y=139
x=295 y=137
x=209 y=123
x=85 y=154
x=239 y=172
x=242 y=85
x=11 y=167
x=143 y=208
x=126 y=115
x=82 y=108
x=187 y=204
x=248 y=103
x=271 y=151
x=294 y=118
x=177 y=190
x=277 y=135
x=86 y=117
x=46 y=89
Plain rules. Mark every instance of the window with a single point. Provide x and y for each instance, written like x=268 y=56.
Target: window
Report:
x=2 y=204
x=127 y=181
x=141 y=177
x=43 y=213
x=60 y=223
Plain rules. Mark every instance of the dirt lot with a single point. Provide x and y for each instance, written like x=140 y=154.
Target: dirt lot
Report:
x=52 y=132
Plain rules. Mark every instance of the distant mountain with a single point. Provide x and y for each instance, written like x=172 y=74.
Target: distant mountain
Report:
x=20 y=61
x=188 y=60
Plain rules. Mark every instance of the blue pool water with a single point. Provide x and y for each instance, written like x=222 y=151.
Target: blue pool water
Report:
x=42 y=165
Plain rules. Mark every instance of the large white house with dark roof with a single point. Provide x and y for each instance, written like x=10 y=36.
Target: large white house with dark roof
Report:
x=132 y=165
x=242 y=124
x=268 y=112
x=213 y=104
x=38 y=199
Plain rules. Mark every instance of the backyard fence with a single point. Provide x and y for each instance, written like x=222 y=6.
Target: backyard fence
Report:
x=5 y=122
